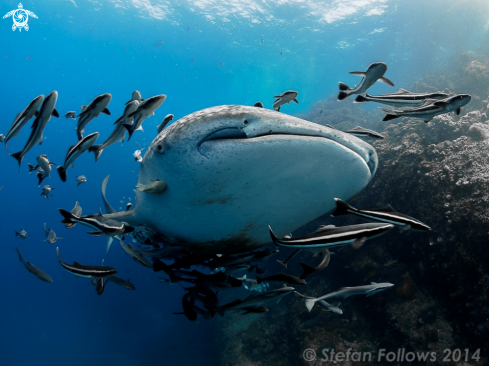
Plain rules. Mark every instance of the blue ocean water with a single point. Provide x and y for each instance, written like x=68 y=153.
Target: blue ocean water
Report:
x=199 y=54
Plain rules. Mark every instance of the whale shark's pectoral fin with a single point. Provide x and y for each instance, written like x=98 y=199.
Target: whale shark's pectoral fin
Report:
x=109 y=244
x=108 y=207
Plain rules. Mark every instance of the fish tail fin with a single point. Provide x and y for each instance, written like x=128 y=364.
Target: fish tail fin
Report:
x=160 y=266
x=62 y=173
x=272 y=235
x=129 y=129
x=68 y=216
x=41 y=177
x=18 y=156
x=344 y=91
x=97 y=151
x=258 y=279
x=211 y=309
x=341 y=208
x=20 y=255
x=283 y=263
x=310 y=303
x=221 y=311
x=388 y=117
x=360 y=99
x=307 y=270
x=16 y=233
x=32 y=168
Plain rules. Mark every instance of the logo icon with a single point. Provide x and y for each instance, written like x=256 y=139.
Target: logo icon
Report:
x=20 y=17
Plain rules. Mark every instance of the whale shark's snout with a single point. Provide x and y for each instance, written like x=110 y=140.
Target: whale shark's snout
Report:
x=233 y=170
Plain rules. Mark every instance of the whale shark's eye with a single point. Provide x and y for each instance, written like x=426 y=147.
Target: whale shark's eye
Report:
x=160 y=149
x=245 y=122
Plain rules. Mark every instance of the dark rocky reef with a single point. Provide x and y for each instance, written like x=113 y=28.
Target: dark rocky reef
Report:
x=436 y=172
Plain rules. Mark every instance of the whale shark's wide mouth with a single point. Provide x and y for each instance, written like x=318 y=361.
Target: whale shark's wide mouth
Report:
x=364 y=150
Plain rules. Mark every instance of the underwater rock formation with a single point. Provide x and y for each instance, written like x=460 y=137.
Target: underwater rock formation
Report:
x=437 y=172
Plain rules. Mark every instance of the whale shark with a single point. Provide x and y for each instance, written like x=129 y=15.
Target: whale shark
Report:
x=232 y=170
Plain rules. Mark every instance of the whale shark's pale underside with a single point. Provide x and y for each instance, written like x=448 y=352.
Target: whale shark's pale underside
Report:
x=233 y=170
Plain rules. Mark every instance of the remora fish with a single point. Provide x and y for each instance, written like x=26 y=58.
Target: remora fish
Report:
x=119 y=281
x=282 y=278
x=47 y=110
x=430 y=110
x=344 y=292
x=143 y=111
x=1 y=138
x=364 y=132
x=324 y=304
x=46 y=190
x=23 y=117
x=136 y=96
x=52 y=238
x=91 y=111
x=81 y=179
x=103 y=225
x=200 y=157
x=401 y=99
x=76 y=211
x=284 y=98
x=74 y=152
x=39 y=273
x=375 y=72
x=22 y=234
x=119 y=132
x=82 y=270
x=134 y=254
x=386 y=214
x=70 y=114
x=253 y=302
x=44 y=165
x=137 y=155
x=329 y=236
x=165 y=121
x=248 y=283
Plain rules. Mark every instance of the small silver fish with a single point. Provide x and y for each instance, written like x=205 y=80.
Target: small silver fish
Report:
x=52 y=238
x=285 y=98
x=70 y=114
x=46 y=190
x=22 y=234
x=137 y=155
x=81 y=179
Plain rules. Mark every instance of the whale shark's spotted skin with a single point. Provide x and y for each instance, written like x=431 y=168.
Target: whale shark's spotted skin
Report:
x=233 y=170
